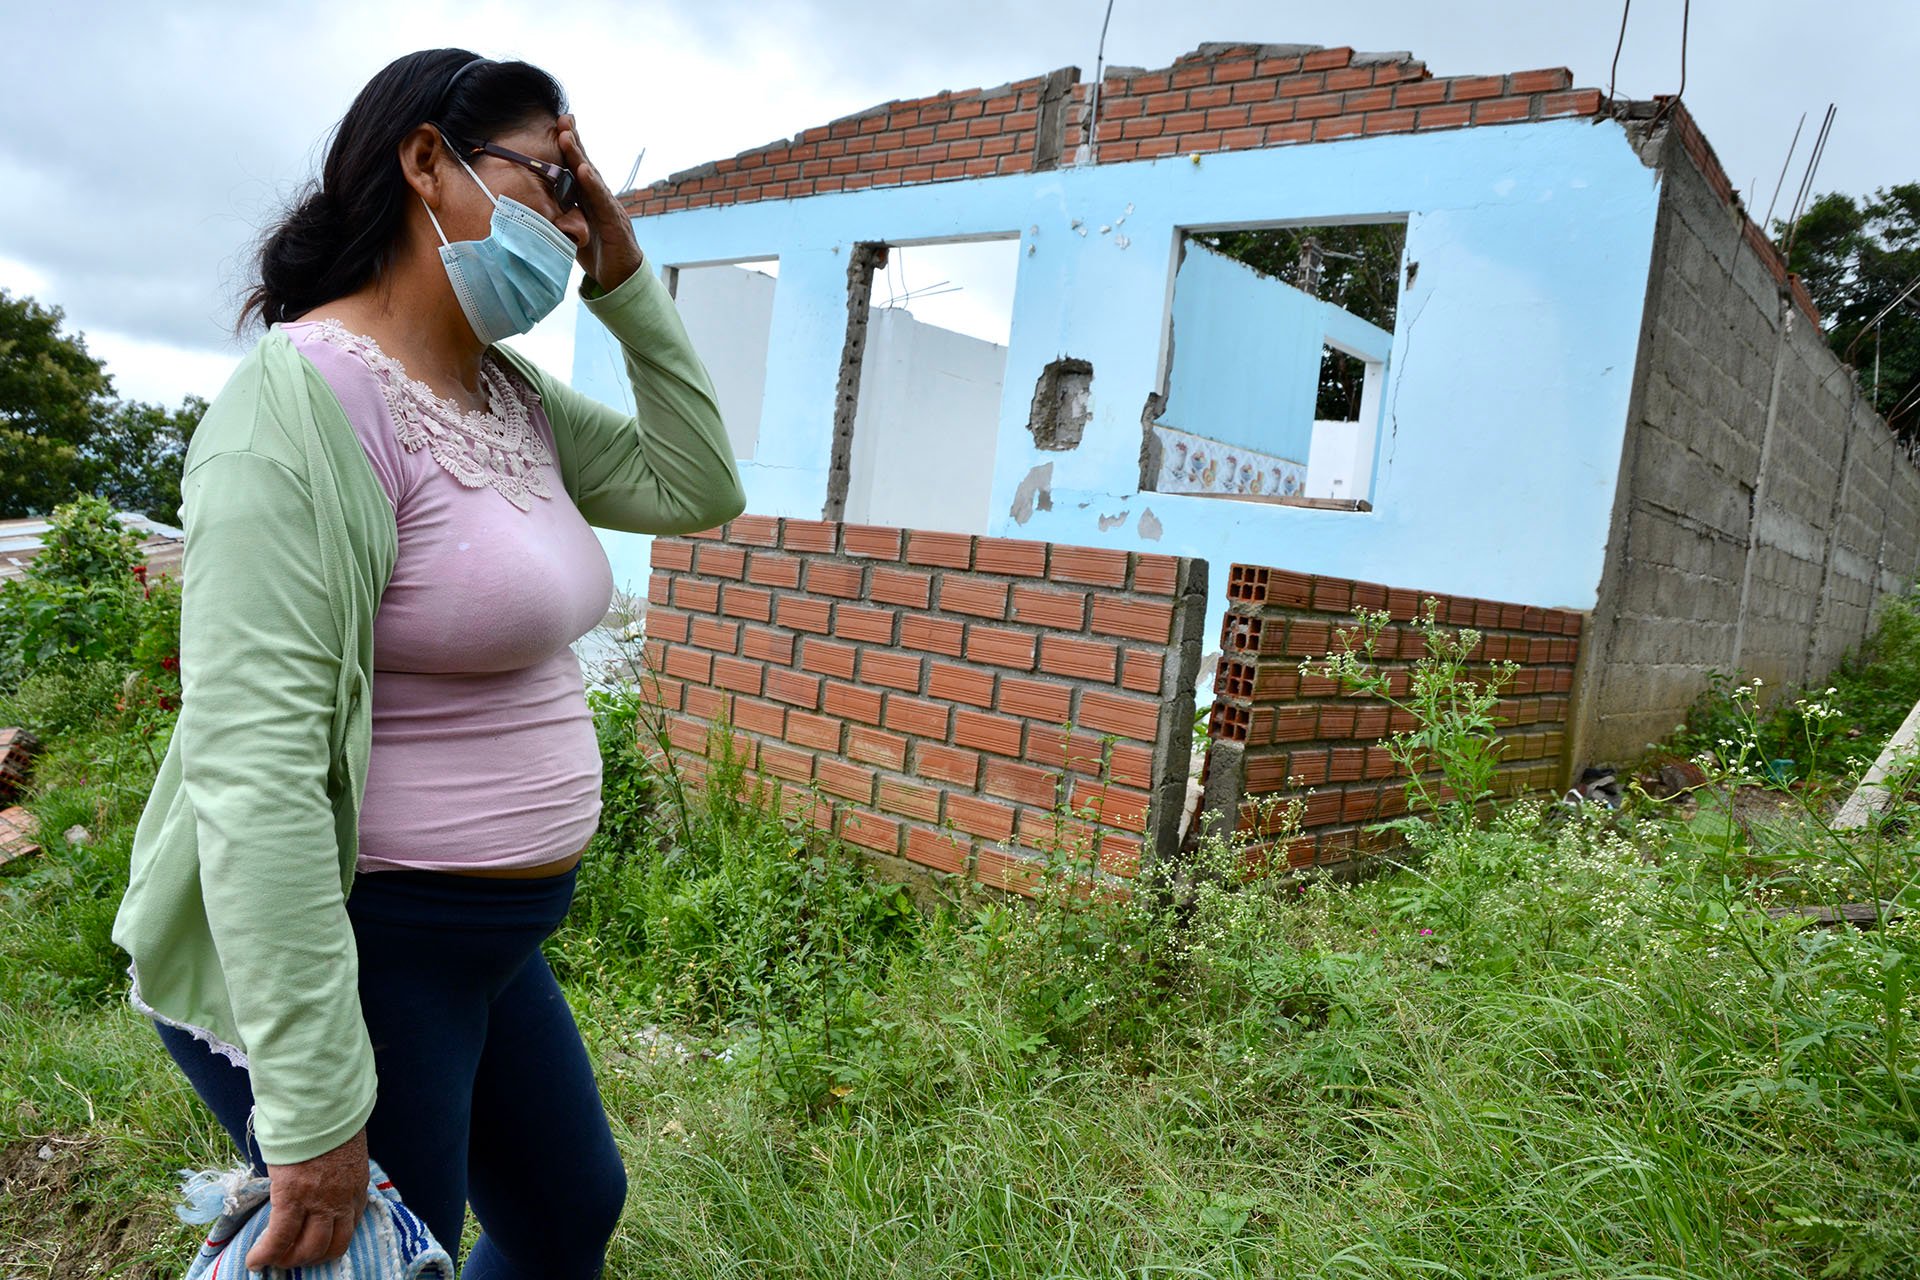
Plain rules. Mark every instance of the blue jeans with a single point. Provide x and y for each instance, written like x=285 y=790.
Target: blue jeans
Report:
x=486 y=1094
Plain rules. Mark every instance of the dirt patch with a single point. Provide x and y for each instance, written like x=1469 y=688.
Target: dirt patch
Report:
x=45 y=1166
x=60 y=1224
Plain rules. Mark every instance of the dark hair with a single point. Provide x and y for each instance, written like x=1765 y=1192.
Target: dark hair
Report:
x=341 y=231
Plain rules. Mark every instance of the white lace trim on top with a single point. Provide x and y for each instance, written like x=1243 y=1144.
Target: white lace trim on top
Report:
x=497 y=449
x=238 y=1057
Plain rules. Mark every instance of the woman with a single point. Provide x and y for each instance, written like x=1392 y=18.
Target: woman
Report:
x=388 y=555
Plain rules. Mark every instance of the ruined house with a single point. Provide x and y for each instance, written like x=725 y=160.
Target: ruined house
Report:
x=1587 y=391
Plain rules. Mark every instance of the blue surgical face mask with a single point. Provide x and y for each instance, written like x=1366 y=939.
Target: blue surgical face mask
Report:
x=513 y=279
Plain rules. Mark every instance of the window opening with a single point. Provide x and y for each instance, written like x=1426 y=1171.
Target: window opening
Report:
x=926 y=420
x=1278 y=356
x=727 y=309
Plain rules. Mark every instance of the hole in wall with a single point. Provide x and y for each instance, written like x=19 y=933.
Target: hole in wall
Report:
x=1274 y=390
x=1062 y=403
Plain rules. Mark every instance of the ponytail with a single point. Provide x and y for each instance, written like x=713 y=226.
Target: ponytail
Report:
x=301 y=260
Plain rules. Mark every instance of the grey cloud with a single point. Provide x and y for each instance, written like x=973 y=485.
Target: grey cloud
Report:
x=138 y=188
x=146 y=147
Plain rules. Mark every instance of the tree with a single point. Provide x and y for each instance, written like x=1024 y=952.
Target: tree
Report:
x=1857 y=259
x=52 y=394
x=1355 y=267
x=62 y=432
x=135 y=457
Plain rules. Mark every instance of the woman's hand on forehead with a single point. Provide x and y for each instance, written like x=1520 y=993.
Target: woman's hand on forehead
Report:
x=610 y=254
x=568 y=125
x=543 y=142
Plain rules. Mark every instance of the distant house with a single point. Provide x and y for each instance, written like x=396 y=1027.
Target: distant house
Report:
x=23 y=539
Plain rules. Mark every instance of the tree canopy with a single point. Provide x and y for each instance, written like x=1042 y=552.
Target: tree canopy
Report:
x=138 y=453
x=1858 y=258
x=62 y=431
x=52 y=394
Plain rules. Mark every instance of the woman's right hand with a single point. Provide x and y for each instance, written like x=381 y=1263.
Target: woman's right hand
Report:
x=610 y=255
x=316 y=1206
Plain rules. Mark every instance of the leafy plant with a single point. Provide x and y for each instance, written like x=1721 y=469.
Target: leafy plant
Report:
x=52 y=393
x=1857 y=258
x=721 y=913
x=1449 y=699
x=1875 y=687
x=1865 y=699
x=78 y=598
x=86 y=599
x=55 y=702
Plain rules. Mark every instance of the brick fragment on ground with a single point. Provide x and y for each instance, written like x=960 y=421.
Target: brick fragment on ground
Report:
x=17 y=832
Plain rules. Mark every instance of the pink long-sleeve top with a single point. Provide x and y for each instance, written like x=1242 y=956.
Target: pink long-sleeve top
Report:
x=484 y=755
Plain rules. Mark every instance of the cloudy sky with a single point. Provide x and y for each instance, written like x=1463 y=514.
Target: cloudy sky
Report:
x=146 y=145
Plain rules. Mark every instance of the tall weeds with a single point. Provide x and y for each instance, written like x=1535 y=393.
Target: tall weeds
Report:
x=1549 y=1042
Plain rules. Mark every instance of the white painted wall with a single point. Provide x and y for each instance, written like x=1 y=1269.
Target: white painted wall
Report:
x=1349 y=447
x=1340 y=463
x=1339 y=460
x=728 y=311
x=925 y=427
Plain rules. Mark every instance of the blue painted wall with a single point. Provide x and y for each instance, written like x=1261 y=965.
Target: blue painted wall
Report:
x=1504 y=412
x=1246 y=356
x=1246 y=353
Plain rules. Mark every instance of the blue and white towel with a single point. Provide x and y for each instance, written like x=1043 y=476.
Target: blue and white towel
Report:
x=389 y=1244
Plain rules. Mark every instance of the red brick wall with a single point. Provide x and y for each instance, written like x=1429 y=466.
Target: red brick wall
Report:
x=1236 y=97
x=911 y=691
x=1277 y=733
x=1218 y=98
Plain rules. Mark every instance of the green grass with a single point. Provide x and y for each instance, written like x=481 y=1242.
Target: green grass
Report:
x=1819 y=733
x=1551 y=1045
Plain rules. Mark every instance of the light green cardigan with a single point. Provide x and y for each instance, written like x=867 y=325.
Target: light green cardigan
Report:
x=235 y=915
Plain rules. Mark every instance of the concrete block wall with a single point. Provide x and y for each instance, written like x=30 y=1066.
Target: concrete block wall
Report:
x=1221 y=97
x=1281 y=734
x=1762 y=507
x=933 y=698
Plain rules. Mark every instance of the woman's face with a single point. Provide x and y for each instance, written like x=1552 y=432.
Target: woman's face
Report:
x=469 y=212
